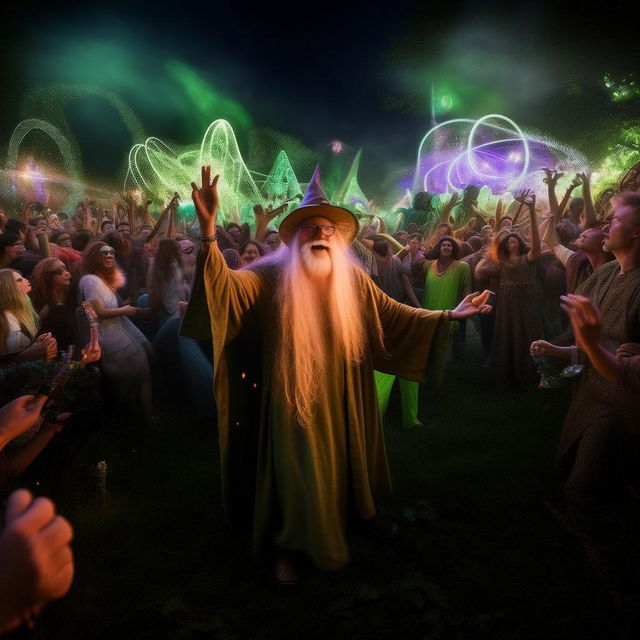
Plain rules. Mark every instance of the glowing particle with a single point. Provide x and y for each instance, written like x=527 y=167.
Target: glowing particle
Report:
x=243 y=375
x=337 y=146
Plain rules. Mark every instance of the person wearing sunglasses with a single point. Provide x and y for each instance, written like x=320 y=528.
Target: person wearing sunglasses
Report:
x=124 y=348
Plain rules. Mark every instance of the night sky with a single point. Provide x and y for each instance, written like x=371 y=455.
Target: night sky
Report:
x=359 y=73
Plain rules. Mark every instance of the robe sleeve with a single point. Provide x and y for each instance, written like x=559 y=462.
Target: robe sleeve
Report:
x=221 y=300
x=407 y=335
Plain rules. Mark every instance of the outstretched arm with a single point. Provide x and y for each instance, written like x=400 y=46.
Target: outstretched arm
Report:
x=551 y=180
x=528 y=199
x=590 y=216
x=448 y=208
x=229 y=294
x=565 y=199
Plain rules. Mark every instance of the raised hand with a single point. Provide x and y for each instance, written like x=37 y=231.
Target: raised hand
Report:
x=584 y=177
x=551 y=176
x=263 y=217
x=526 y=197
x=205 y=200
x=585 y=320
x=577 y=180
x=453 y=200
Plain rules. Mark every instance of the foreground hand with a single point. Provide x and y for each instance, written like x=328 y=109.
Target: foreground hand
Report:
x=205 y=200
x=20 y=414
x=467 y=308
x=585 y=319
x=36 y=562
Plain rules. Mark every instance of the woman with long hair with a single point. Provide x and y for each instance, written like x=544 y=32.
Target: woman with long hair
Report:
x=165 y=280
x=519 y=303
x=19 y=340
x=124 y=348
x=447 y=281
x=124 y=251
x=51 y=297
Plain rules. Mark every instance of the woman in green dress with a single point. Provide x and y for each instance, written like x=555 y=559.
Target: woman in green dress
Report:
x=447 y=281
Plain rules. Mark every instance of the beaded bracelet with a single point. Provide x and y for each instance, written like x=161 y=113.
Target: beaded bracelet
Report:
x=211 y=238
x=446 y=315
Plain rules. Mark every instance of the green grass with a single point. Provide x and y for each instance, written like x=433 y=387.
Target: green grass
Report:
x=478 y=557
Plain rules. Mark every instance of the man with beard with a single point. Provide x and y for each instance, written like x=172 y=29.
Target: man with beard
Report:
x=296 y=338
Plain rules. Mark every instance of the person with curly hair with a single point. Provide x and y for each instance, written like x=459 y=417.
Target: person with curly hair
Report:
x=519 y=305
x=124 y=362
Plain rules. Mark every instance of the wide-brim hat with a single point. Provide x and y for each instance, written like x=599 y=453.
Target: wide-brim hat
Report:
x=315 y=204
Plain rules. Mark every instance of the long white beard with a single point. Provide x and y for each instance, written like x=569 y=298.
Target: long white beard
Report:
x=316 y=262
x=311 y=307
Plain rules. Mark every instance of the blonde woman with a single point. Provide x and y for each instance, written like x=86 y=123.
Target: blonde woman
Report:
x=19 y=340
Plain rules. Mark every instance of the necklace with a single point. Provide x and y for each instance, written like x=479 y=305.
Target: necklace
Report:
x=439 y=270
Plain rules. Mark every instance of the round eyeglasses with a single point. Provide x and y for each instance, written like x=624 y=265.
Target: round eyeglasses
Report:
x=311 y=230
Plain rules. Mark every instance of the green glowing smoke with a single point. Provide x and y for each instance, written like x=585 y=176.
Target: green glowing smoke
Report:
x=206 y=102
x=164 y=88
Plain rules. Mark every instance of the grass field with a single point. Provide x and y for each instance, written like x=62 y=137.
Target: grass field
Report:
x=478 y=556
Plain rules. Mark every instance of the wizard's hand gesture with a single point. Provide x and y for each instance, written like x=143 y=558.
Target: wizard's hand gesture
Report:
x=205 y=200
x=472 y=305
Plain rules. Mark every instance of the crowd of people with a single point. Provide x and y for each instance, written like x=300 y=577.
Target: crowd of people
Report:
x=91 y=307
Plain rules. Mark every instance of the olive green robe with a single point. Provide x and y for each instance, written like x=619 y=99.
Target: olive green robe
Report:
x=295 y=485
x=593 y=403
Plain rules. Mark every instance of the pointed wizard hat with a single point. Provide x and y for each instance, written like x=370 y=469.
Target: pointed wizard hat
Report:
x=315 y=204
